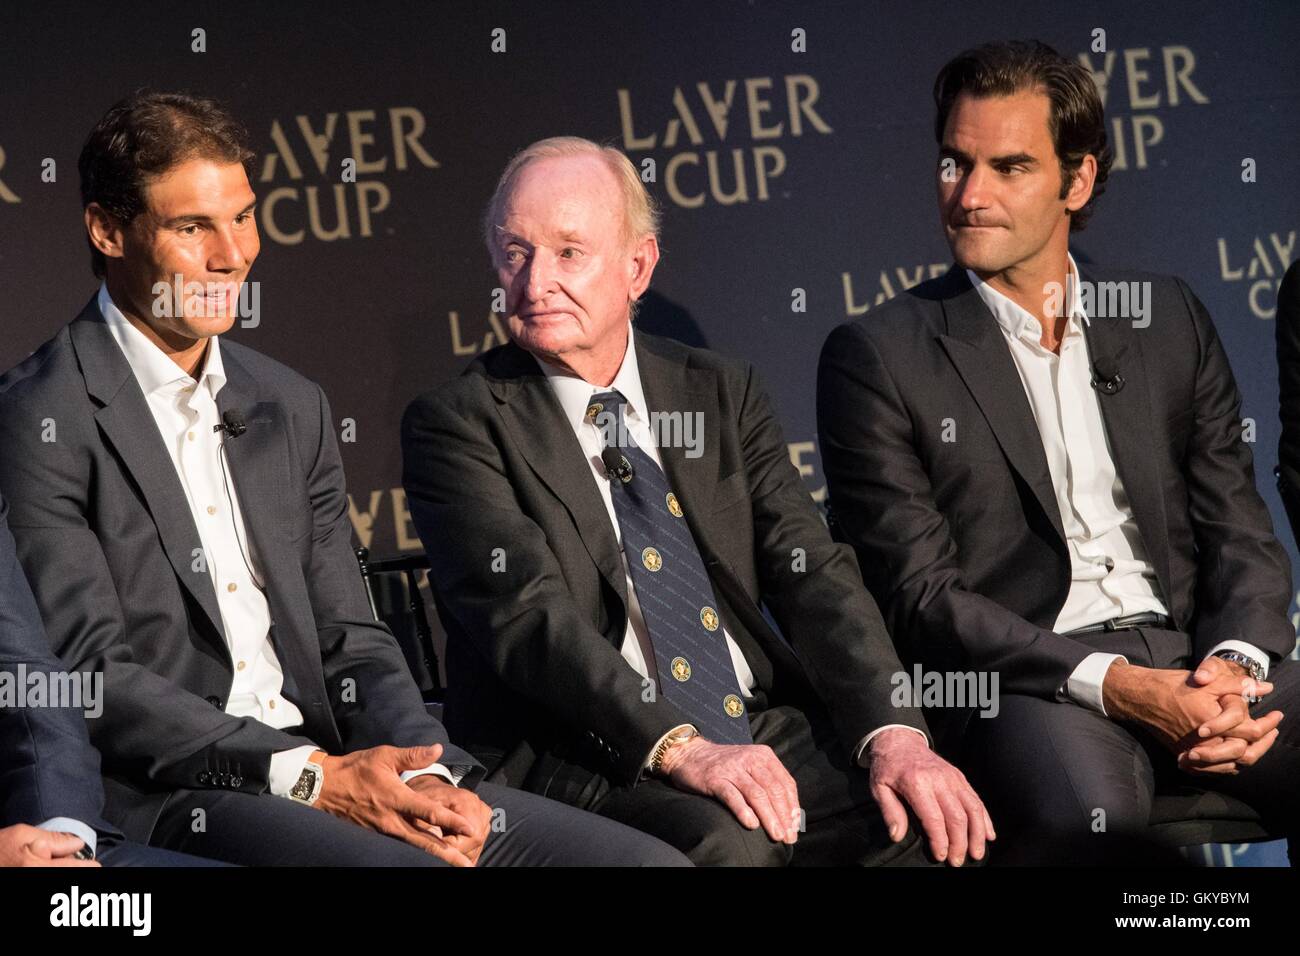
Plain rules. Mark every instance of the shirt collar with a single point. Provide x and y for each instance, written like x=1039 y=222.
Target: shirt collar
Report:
x=575 y=393
x=151 y=366
x=1018 y=323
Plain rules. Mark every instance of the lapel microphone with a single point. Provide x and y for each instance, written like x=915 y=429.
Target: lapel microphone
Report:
x=232 y=423
x=617 y=465
x=1105 y=377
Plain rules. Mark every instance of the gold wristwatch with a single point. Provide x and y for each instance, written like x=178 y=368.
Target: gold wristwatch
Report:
x=674 y=737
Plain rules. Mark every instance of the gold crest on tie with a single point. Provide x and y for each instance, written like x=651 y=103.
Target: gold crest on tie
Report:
x=732 y=705
x=651 y=559
x=594 y=409
x=681 y=669
x=673 y=507
x=709 y=618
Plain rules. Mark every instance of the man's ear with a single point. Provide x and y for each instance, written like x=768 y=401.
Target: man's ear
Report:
x=1081 y=186
x=106 y=233
x=645 y=256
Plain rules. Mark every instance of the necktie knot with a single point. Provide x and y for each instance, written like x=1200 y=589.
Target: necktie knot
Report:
x=606 y=410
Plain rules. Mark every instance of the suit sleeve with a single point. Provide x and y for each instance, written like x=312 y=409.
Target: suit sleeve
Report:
x=523 y=620
x=373 y=696
x=883 y=501
x=151 y=730
x=47 y=766
x=1244 y=576
x=813 y=586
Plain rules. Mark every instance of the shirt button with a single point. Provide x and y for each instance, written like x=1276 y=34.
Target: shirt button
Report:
x=232 y=587
x=212 y=509
x=240 y=666
x=190 y=436
x=272 y=704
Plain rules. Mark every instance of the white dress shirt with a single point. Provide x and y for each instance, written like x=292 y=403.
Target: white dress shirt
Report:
x=574 y=395
x=186 y=414
x=1110 y=572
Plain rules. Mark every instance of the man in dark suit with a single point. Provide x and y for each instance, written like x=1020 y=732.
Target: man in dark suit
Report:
x=605 y=512
x=1287 y=331
x=51 y=796
x=178 y=504
x=1046 y=485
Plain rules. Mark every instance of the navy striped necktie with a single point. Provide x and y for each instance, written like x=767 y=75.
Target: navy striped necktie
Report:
x=692 y=661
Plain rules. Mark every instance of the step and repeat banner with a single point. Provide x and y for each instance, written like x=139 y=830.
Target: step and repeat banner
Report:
x=790 y=144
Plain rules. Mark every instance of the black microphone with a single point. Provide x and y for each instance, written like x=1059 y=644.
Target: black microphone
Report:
x=232 y=423
x=1105 y=376
x=616 y=465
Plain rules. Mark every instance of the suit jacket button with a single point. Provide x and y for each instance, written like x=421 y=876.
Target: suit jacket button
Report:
x=215 y=701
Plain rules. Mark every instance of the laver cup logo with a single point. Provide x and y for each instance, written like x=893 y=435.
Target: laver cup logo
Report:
x=338 y=170
x=1133 y=84
x=720 y=142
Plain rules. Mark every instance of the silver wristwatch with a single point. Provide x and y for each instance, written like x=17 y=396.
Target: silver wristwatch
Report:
x=1253 y=667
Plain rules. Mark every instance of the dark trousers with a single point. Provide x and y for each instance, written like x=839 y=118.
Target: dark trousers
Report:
x=137 y=854
x=843 y=825
x=266 y=830
x=1067 y=785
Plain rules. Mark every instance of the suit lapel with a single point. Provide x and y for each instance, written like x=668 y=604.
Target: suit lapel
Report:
x=257 y=466
x=1128 y=421
x=546 y=439
x=978 y=350
x=259 y=474
x=128 y=425
x=669 y=389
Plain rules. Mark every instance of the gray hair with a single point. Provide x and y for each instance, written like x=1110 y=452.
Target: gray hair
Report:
x=640 y=211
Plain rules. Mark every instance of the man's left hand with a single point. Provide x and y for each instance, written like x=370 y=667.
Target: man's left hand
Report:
x=463 y=802
x=905 y=771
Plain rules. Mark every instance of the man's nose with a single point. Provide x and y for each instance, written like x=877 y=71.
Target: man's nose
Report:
x=228 y=253
x=541 y=274
x=973 y=192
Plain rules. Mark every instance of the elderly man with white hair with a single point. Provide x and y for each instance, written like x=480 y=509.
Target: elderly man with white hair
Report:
x=606 y=512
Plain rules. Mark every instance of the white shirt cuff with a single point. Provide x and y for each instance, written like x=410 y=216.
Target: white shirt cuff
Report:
x=1242 y=647
x=860 y=755
x=453 y=775
x=73 y=826
x=1084 y=685
x=286 y=768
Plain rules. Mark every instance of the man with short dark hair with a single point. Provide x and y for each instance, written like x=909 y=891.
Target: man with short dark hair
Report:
x=179 y=506
x=1049 y=487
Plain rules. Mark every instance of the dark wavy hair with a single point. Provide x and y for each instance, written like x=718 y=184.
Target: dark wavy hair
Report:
x=1076 y=119
x=142 y=137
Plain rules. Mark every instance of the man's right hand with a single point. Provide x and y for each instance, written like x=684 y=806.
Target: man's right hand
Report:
x=1175 y=708
x=366 y=788
x=747 y=778
x=21 y=845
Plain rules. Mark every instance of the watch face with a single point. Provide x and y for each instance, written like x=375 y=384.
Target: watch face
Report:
x=306 y=783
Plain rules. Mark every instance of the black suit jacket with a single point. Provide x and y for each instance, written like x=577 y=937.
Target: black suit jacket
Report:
x=47 y=766
x=108 y=542
x=534 y=670
x=1288 y=360
x=961 y=541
